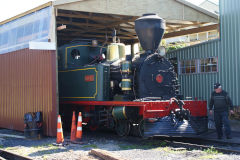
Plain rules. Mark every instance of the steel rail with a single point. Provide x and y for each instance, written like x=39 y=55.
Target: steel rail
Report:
x=201 y=143
x=221 y=149
x=12 y=156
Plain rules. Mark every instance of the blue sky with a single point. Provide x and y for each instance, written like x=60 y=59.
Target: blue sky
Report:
x=10 y=8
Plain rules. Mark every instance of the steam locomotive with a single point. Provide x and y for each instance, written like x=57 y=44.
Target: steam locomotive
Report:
x=137 y=95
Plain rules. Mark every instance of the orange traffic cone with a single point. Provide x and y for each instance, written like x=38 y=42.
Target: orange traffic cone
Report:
x=60 y=138
x=73 y=128
x=79 y=127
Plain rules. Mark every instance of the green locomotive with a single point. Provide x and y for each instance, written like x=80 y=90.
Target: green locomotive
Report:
x=127 y=93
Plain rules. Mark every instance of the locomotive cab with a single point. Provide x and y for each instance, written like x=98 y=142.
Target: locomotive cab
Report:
x=81 y=76
x=80 y=53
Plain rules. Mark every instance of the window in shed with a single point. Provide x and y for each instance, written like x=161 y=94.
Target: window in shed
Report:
x=187 y=67
x=207 y=65
x=204 y=65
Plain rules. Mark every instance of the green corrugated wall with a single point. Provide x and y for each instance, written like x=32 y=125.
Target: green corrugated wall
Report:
x=227 y=49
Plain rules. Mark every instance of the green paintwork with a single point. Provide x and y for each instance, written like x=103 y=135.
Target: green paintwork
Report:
x=226 y=48
x=119 y=112
x=79 y=81
x=126 y=85
x=66 y=60
x=126 y=66
x=85 y=83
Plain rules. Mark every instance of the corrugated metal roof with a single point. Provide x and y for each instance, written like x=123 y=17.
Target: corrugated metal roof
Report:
x=28 y=84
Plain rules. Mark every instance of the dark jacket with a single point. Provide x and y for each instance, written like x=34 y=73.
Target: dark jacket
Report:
x=221 y=102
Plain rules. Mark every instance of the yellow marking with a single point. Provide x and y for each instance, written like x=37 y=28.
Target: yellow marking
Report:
x=126 y=70
x=126 y=80
x=78 y=70
x=95 y=94
x=96 y=84
x=126 y=89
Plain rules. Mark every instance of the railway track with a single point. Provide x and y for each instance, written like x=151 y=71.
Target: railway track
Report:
x=200 y=143
x=185 y=142
x=5 y=155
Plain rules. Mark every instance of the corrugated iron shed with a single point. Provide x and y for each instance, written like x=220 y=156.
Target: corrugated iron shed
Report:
x=227 y=49
x=28 y=84
x=28 y=78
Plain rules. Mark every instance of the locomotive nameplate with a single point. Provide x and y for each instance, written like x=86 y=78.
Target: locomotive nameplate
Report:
x=89 y=78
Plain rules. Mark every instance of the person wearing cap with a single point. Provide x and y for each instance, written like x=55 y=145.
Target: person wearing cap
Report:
x=222 y=103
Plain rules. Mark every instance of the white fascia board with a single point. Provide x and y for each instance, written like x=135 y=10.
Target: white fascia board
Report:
x=61 y=2
x=42 y=45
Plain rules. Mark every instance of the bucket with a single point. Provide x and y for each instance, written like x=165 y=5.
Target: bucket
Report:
x=33 y=125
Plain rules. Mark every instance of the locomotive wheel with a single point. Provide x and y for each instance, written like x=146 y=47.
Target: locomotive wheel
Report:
x=137 y=130
x=132 y=130
x=140 y=128
x=122 y=127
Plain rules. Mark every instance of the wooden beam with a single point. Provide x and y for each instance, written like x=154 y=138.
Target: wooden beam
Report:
x=94 y=36
x=105 y=155
x=132 y=25
x=172 y=28
x=70 y=39
x=191 y=31
x=85 y=31
x=101 y=18
x=109 y=32
x=184 y=22
x=127 y=27
x=64 y=40
x=62 y=27
x=111 y=24
x=80 y=24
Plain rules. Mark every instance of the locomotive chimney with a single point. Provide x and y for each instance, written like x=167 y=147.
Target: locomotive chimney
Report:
x=150 y=29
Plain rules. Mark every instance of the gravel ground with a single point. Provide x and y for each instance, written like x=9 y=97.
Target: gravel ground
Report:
x=130 y=148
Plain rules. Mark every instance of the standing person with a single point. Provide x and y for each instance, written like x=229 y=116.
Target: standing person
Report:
x=222 y=103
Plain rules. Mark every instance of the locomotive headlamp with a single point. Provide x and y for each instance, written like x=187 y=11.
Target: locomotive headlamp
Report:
x=94 y=43
x=162 y=51
x=159 y=78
